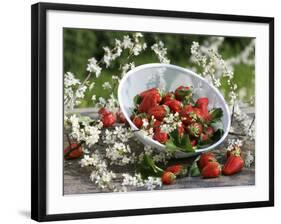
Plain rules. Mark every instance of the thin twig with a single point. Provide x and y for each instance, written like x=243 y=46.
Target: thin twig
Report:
x=68 y=139
x=252 y=122
x=237 y=134
x=232 y=115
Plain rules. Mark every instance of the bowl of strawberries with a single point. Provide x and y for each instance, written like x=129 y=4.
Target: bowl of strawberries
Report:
x=172 y=108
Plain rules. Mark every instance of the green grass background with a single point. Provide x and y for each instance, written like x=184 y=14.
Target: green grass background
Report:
x=82 y=44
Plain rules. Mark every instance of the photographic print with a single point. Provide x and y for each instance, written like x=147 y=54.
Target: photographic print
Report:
x=141 y=111
x=150 y=111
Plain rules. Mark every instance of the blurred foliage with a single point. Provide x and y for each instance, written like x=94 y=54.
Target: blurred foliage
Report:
x=82 y=44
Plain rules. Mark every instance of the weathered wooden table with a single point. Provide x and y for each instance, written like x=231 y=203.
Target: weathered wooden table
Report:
x=77 y=181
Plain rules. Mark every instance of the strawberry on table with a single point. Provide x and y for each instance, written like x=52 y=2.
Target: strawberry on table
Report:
x=168 y=178
x=108 y=119
x=211 y=170
x=178 y=170
x=234 y=164
x=73 y=151
x=103 y=111
x=206 y=158
x=120 y=117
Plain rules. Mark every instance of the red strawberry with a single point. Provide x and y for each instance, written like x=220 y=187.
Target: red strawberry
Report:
x=138 y=122
x=211 y=170
x=234 y=164
x=193 y=142
x=178 y=170
x=152 y=91
x=202 y=102
x=168 y=178
x=103 y=111
x=167 y=97
x=174 y=105
x=186 y=114
x=195 y=129
x=209 y=131
x=199 y=114
x=159 y=112
x=73 y=151
x=156 y=124
x=148 y=102
x=206 y=158
x=108 y=120
x=120 y=117
x=182 y=92
x=180 y=130
x=204 y=137
x=159 y=136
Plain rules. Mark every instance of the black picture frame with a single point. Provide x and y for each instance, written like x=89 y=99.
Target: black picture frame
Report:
x=39 y=108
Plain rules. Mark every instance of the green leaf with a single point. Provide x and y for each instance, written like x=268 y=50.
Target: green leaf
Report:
x=184 y=93
x=177 y=143
x=137 y=100
x=147 y=168
x=194 y=169
x=170 y=146
x=216 y=114
x=217 y=135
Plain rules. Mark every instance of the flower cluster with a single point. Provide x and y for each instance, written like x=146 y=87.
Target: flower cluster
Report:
x=161 y=52
x=93 y=67
x=171 y=122
x=83 y=129
x=73 y=91
x=136 y=181
x=120 y=154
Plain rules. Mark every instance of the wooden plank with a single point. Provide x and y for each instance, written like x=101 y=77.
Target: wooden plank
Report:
x=77 y=180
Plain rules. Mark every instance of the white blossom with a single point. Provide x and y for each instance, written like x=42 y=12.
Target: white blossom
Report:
x=127 y=42
x=249 y=159
x=87 y=161
x=120 y=154
x=152 y=182
x=106 y=85
x=93 y=67
x=161 y=52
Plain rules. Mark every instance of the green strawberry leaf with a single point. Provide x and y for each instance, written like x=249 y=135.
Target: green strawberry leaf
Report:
x=147 y=168
x=170 y=145
x=185 y=93
x=194 y=169
x=217 y=135
x=137 y=100
x=216 y=114
x=177 y=143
